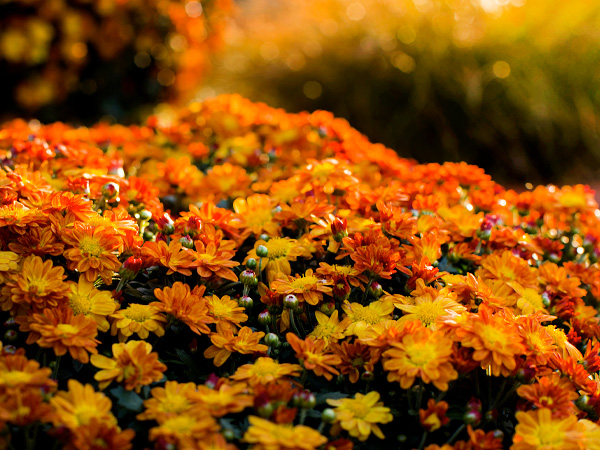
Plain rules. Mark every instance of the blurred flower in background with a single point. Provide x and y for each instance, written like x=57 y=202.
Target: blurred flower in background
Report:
x=510 y=85
x=80 y=60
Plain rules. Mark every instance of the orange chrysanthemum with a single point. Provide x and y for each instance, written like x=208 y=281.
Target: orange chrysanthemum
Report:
x=355 y=357
x=38 y=285
x=211 y=262
x=266 y=435
x=85 y=299
x=226 y=343
x=376 y=261
x=423 y=353
x=184 y=305
x=539 y=430
x=552 y=392
x=312 y=356
x=507 y=267
x=80 y=405
x=222 y=400
x=226 y=312
x=185 y=430
x=137 y=318
x=99 y=435
x=281 y=250
x=134 y=364
x=265 y=370
x=173 y=256
x=496 y=341
x=307 y=288
x=92 y=251
x=255 y=215
x=19 y=373
x=61 y=330
x=168 y=401
x=360 y=318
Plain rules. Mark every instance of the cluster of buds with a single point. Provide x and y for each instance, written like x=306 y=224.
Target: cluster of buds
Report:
x=473 y=415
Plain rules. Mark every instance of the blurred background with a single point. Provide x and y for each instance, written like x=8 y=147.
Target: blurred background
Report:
x=509 y=85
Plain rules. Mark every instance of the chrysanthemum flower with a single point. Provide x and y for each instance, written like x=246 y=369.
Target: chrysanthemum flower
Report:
x=307 y=288
x=255 y=216
x=265 y=370
x=85 y=299
x=60 y=330
x=137 y=318
x=376 y=261
x=226 y=343
x=328 y=328
x=282 y=250
x=38 y=241
x=222 y=400
x=266 y=435
x=168 y=401
x=496 y=341
x=211 y=262
x=99 y=435
x=552 y=392
x=185 y=430
x=92 y=251
x=507 y=267
x=184 y=305
x=38 y=285
x=423 y=353
x=79 y=405
x=355 y=356
x=427 y=308
x=133 y=363
x=434 y=416
x=312 y=356
x=18 y=217
x=226 y=312
x=19 y=373
x=173 y=256
x=360 y=318
x=360 y=415
x=539 y=430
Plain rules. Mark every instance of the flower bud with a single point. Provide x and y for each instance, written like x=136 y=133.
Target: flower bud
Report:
x=290 y=302
x=110 y=191
x=328 y=415
x=472 y=417
x=339 y=229
x=264 y=318
x=165 y=224
x=186 y=242
x=265 y=409
x=272 y=340
x=145 y=215
x=327 y=308
x=10 y=336
x=262 y=251
x=9 y=349
x=130 y=268
x=193 y=346
x=248 y=278
x=246 y=302
x=490 y=415
x=251 y=264
x=264 y=237
x=375 y=289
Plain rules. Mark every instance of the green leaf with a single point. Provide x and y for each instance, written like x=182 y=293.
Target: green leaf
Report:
x=128 y=399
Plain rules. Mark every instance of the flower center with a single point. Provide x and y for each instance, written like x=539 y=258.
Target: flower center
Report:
x=304 y=283
x=367 y=315
x=258 y=218
x=137 y=313
x=550 y=436
x=14 y=378
x=90 y=247
x=66 y=329
x=221 y=309
x=278 y=247
x=80 y=304
x=358 y=409
x=427 y=313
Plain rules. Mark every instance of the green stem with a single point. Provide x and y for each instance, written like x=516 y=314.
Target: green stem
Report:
x=456 y=433
x=500 y=392
x=302 y=415
x=508 y=395
x=55 y=371
x=260 y=269
x=303 y=377
x=423 y=439
x=293 y=324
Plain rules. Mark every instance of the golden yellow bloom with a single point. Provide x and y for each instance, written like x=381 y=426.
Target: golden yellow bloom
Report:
x=424 y=353
x=19 y=373
x=226 y=312
x=360 y=416
x=313 y=356
x=9 y=261
x=282 y=250
x=427 y=308
x=539 y=430
x=168 y=401
x=255 y=216
x=85 y=299
x=266 y=435
x=265 y=370
x=185 y=305
x=328 y=328
x=38 y=285
x=133 y=363
x=137 y=318
x=58 y=329
x=360 y=318
x=185 y=430
x=226 y=343
x=79 y=405
x=307 y=287
x=222 y=400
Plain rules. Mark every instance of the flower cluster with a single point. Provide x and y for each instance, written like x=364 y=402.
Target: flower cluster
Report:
x=75 y=57
x=242 y=277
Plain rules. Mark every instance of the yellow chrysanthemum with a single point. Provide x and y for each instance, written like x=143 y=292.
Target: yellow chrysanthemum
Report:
x=168 y=401
x=227 y=313
x=266 y=435
x=360 y=318
x=137 y=318
x=427 y=308
x=307 y=288
x=282 y=250
x=265 y=370
x=328 y=328
x=539 y=430
x=360 y=415
x=85 y=299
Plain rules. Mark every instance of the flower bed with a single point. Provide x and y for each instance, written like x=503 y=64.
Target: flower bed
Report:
x=243 y=277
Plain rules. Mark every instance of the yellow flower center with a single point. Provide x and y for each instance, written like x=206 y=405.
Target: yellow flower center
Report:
x=572 y=199
x=278 y=247
x=180 y=425
x=428 y=312
x=175 y=404
x=493 y=337
x=84 y=413
x=12 y=213
x=507 y=273
x=14 y=378
x=221 y=309
x=66 y=329
x=357 y=408
x=264 y=368
x=138 y=313
x=551 y=436
x=304 y=283
x=204 y=258
x=80 y=304
x=90 y=246
x=366 y=315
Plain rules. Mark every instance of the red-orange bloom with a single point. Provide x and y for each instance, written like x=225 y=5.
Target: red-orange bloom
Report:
x=173 y=256
x=312 y=356
x=184 y=305
x=211 y=262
